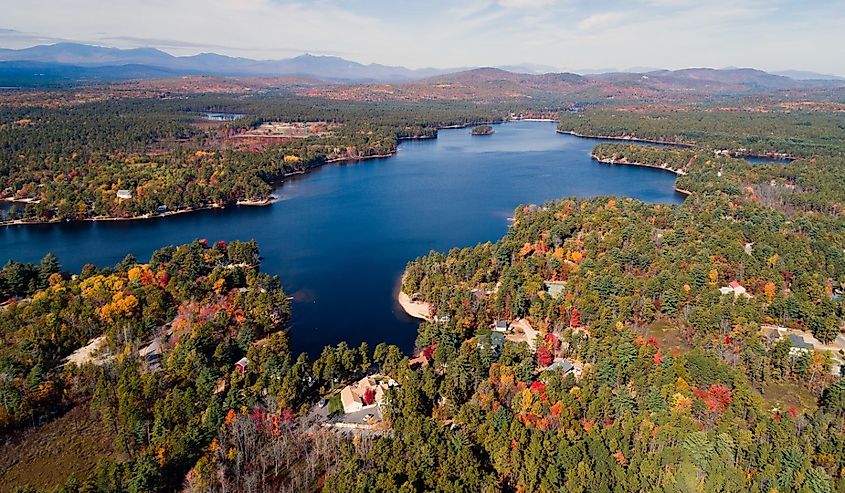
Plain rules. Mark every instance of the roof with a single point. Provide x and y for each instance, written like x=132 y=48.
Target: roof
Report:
x=501 y=324
x=799 y=342
x=352 y=396
x=734 y=284
x=554 y=288
x=242 y=362
x=497 y=339
x=564 y=365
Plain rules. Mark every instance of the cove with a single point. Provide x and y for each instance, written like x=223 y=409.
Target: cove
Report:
x=340 y=236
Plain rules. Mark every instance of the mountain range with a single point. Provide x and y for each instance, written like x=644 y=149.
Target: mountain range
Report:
x=96 y=58
x=68 y=63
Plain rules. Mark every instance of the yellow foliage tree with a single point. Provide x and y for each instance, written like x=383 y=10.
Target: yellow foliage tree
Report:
x=714 y=276
x=769 y=289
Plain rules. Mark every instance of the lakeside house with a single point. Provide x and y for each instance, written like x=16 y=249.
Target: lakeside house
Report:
x=124 y=194
x=366 y=393
x=420 y=361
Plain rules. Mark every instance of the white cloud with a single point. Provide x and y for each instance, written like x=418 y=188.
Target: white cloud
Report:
x=525 y=4
x=597 y=22
x=773 y=34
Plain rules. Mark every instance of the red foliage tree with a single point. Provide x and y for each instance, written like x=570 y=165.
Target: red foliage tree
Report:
x=718 y=397
x=575 y=319
x=369 y=396
x=544 y=356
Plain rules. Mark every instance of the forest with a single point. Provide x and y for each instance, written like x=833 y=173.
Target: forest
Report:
x=69 y=163
x=656 y=362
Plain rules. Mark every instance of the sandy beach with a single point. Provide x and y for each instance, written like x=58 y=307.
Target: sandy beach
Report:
x=416 y=309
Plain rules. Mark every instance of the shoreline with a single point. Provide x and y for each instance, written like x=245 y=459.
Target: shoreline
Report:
x=414 y=309
x=247 y=203
x=270 y=200
x=624 y=139
x=351 y=160
x=774 y=157
x=676 y=172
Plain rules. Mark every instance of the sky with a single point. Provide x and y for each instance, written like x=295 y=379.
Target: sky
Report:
x=579 y=35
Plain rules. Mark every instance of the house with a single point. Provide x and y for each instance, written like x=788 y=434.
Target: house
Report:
x=501 y=326
x=734 y=288
x=366 y=393
x=554 y=288
x=493 y=341
x=443 y=319
x=423 y=359
x=799 y=345
x=124 y=194
x=241 y=365
x=562 y=364
x=497 y=340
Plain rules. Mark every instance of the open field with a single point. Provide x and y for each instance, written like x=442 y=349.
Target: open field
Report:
x=666 y=334
x=48 y=455
x=783 y=395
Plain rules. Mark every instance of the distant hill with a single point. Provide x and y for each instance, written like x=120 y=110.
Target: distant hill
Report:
x=41 y=74
x=729 y=80
x=74 y=63
x=806 y=75
x=489 y=74
x=322 y=67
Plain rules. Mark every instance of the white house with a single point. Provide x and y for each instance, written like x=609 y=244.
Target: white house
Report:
x=734 y=288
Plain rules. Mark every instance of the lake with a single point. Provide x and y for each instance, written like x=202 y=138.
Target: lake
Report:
x=222 y=117
x=340 y=236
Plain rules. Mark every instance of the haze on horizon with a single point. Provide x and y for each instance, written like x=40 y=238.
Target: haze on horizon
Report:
x=561 y=34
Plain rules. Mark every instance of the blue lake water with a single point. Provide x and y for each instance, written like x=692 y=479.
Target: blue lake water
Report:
x=340 y=237
x=766 y=160
x=222 y=117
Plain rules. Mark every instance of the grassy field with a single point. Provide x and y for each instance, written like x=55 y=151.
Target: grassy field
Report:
x=48 y=455
x=782 y=395
x=666 y=334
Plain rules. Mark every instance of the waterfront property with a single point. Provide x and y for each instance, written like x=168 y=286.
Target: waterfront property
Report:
x=359 y=224
x=366 y=393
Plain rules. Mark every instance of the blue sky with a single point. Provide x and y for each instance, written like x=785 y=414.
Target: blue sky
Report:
x=565 y=34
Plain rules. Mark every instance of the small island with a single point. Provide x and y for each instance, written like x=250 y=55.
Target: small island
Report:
x=482 y=130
